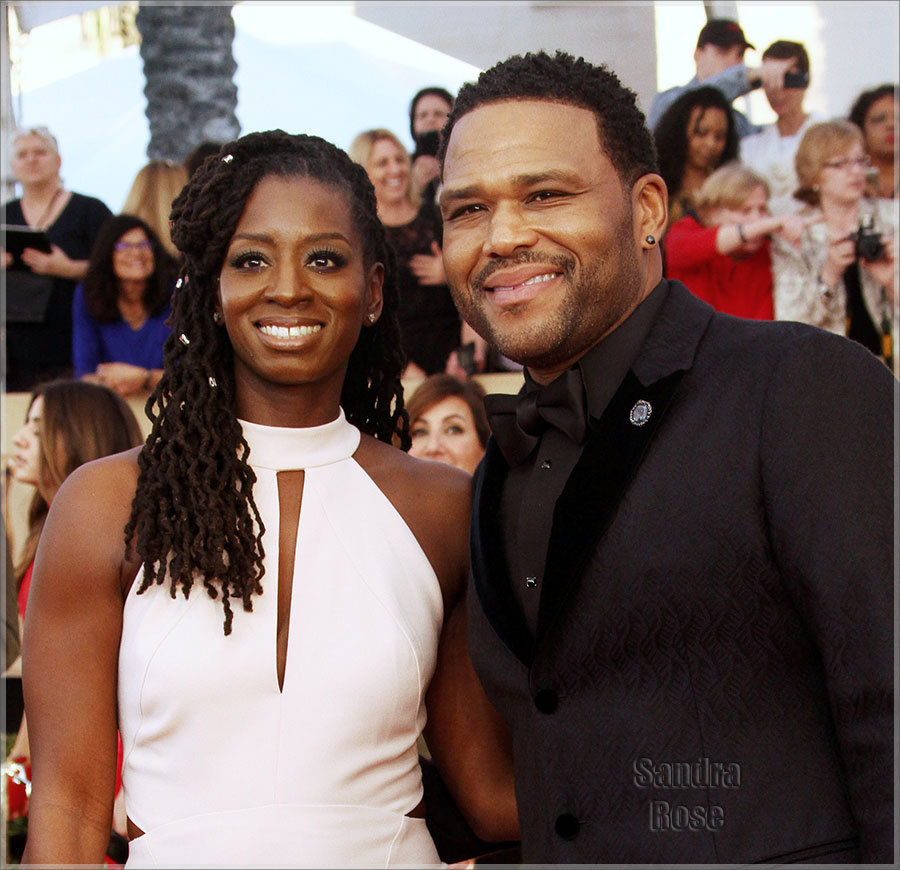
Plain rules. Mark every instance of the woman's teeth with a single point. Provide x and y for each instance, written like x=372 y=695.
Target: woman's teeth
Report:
x=289 y=331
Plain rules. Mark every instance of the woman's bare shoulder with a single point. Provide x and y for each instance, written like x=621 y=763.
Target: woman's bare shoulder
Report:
x=395 y=471
x=435 y=501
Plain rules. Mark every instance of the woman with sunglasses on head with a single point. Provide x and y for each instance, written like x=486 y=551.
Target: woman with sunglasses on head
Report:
x=268 y=597
x=839 y=275
x=119 y=313
x=39 y=342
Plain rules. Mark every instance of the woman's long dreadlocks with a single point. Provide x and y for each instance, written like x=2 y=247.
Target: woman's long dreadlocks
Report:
x=194 y=515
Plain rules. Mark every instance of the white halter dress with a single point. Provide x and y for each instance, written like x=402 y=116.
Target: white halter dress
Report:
x=223 y=769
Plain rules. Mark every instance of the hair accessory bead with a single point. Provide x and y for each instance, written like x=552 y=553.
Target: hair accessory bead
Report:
x=228 y=158
x=212 y=382
x=179 y=283
x=184 y=339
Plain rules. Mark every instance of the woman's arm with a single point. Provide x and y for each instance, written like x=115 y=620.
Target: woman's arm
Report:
x=70 y=663
x=468 y=740
x=808 y=285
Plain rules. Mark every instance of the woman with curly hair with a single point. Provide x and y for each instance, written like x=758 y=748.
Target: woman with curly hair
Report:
x=694 y=137
x=875 y=113
x=287 y=734
x=120 y=313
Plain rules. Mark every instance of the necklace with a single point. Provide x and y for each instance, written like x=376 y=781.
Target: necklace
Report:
x=47 y=211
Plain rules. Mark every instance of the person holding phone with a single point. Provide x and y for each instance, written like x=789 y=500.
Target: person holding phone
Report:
x=39 y=345
x=428 y=111
x=771 y=151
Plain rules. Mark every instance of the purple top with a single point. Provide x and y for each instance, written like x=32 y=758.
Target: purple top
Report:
x=94 y=342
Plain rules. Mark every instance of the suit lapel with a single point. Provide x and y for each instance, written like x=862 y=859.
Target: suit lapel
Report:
x=615 y=447
x=610 y=459
x=583 y=512
x=489 y=569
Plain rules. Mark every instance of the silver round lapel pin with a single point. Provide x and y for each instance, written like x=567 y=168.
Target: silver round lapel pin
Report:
x=640 y=413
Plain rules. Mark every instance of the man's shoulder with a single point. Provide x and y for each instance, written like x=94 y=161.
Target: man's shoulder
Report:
x=90 y=204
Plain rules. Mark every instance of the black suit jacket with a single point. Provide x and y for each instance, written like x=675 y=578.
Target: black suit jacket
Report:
x=711 y=680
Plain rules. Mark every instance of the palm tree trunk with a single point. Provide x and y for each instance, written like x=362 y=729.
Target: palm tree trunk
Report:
x=189 y=70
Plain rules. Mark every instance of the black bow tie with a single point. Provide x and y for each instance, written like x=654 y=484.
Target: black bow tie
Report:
x=517 y=421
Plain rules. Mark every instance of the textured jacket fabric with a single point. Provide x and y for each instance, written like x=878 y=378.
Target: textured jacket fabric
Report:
x=711 y=680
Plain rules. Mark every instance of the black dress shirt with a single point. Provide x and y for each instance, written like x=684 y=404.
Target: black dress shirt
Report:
x=532 y=488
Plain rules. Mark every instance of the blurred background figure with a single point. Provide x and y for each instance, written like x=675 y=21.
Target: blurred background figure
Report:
x=875 y=113
x=154 y=188
x=430 y=327
x=195 y=159
x=719 y=62
x=771 y=151
x=428 y=112
x=721 y=250
x=39 y=341
x=695 y=136
x=68 y=423
x=120 y=310
x=840 y=274
x=447 y=421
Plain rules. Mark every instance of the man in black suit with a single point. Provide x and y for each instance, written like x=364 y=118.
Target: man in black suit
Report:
x=682 y=539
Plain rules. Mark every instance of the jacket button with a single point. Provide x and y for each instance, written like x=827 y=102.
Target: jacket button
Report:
x=546 y=700
x=567 y=826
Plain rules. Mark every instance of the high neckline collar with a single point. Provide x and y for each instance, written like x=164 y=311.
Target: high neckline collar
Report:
x=283 y=448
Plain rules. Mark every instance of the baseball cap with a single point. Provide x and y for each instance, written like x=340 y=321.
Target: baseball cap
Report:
x=724 y=33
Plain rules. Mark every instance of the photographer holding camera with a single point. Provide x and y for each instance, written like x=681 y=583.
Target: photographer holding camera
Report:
x=840 y=275
x=428 y=111
x=771 y=151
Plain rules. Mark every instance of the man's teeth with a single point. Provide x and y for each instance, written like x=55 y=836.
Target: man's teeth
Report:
x=537 y=279
x=289 y=331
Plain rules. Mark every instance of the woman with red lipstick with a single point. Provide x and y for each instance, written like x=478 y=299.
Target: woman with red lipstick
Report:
x=267 y=570
x=840 y=274
x=875 y=113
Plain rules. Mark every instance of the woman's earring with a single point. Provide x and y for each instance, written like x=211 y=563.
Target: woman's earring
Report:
x=650 y=240
x=372 y=317
x=218 y=318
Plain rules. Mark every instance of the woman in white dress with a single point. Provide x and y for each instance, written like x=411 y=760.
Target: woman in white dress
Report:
x=268 y=489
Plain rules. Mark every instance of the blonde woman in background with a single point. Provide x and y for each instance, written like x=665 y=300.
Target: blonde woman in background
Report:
x=429 y=322
x=152 y=192
x=831 y=278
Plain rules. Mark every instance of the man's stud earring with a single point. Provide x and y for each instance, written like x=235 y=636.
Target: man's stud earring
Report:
x=650 y=240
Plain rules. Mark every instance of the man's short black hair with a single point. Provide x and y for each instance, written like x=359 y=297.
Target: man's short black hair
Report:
x=785 y=49
x=561 y=78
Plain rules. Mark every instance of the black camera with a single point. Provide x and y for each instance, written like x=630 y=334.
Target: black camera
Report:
x=869 y=246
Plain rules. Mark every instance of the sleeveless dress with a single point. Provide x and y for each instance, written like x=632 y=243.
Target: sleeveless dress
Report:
x=223 y=769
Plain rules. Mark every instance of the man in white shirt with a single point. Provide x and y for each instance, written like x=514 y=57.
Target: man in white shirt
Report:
x=771 y=151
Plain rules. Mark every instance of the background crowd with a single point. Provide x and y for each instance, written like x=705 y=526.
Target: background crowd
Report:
x=796 y=220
